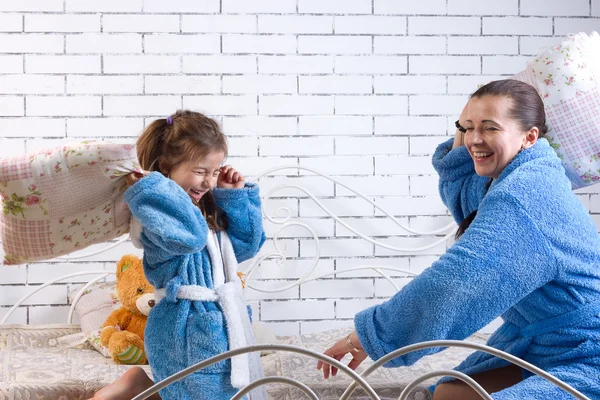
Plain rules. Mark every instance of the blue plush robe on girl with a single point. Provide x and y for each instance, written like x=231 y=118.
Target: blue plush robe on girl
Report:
x=180 y=333
x=531 y=255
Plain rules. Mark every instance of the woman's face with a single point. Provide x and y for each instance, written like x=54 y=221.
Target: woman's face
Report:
x=493 y=138
x=198 y=177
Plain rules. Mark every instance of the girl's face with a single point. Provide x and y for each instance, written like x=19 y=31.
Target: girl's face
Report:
x=493 y=138
x=197 y=178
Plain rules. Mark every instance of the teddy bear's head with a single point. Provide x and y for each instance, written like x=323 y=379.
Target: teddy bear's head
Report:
x=135 y=293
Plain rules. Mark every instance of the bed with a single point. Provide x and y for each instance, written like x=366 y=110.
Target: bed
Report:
x=37 y=362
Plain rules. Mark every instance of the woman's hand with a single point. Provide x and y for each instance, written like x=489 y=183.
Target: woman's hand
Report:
x=349 y=344
x=459 y=137
x=229 y=178
x=135 y=176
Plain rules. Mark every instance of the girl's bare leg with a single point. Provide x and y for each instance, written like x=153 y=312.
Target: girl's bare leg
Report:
x=492 y=381
x=133 y=382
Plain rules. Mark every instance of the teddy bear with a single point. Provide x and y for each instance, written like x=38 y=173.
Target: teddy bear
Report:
x=123 y=331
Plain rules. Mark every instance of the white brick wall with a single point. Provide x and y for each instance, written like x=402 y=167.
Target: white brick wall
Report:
x=361 y=89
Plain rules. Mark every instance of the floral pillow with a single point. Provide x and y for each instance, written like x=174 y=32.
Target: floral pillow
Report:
x=64 y=199
x=92 y=309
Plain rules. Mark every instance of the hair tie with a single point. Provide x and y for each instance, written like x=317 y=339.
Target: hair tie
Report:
x=170 y=120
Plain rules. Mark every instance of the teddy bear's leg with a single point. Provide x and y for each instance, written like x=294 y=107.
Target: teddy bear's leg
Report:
x=127 y=348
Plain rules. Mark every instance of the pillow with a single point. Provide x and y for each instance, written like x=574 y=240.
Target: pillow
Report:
x=64 y=199
x=567 y=77
x=92 y=309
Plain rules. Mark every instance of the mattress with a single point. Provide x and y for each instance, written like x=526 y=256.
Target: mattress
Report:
x=35 y=365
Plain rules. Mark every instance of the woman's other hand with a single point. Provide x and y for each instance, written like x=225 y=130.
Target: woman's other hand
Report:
x=349 y=344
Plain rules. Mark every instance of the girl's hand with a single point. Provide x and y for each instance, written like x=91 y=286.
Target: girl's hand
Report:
x=229 y=178
x=339 y=350
x=135 y=176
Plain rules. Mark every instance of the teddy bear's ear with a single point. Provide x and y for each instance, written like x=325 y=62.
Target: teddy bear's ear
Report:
x=126 y=262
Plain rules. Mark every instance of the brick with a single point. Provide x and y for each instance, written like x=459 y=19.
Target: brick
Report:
x=141 y=64
x=283 y=328
x=259 y=6
x=89 y=84
x=295 y=24
x=31 y=127
x=371 y=64
x=39 y=144
x=103 y=6
x=595 y=8
x=55 y=294
x=171 y=43
x=444 y=25
x=262 y=44
x=295 y=105
x=244 y=146
x=410 y=7
x=345 y=264
x=555 y=8
x=188 y=84
x=259 y=126
x=335 y=84
x=399 y=165
x=219 y=64
x=531 y=45
x=371 y=105
x=335 y=125
x=260 y=84
x=10 y=147
x=373 y=185
x=308 y=327
x=320 y=226
x=182 y=6
x=410 y=84
x=314 y=184
x=63 y=105
x=14 y=274
x=104 y=43
x=427 y=224
x=100 y=127
x=218 y=23
x=594 y=203
x=483 y=7
x=483 y=45
x=504 y=64
x=297 y=310
x=517 y=26
x=372 y=227
x=348 y=308
x=140 y=105
x=43 y=272
x=340 y=165
x=336 y=288
x=62 y=64
x=444 y=65
x=410 y=45
x=11 y=64
x=12 y=106
x=62 y=23
x=31 y=84
x=566 y=26
x=295 y=64
x=252 y=166
x=272 y=146
x=406 y=206
x=251 y=294
x=140 y=23
x=425 y=145
x=411 y=243
x=19 y=316
x=32 y=5
x=371 y=145
x=413 y=125
x=468 y=84
x=336 y=248
x=293 y=269
x=334 y=44
x=334 y=7
x=371 y=24
x=436 y=105
x=31 y=43
x=384 y=288
x=222 y=105
x=48 y=314
x=11 y=23
x=424 y=185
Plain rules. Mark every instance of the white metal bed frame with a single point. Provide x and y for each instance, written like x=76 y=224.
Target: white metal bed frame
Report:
x=284 y=218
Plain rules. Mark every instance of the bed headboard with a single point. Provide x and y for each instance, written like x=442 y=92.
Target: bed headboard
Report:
x=332 y=250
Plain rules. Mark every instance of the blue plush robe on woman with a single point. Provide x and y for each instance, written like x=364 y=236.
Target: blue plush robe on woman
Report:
x=180 y=333
x=531 y=255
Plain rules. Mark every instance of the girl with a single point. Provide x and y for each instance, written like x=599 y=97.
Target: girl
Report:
x=193 y=235
x=527 y=250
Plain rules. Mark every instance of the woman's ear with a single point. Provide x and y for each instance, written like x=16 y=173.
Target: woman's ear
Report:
x=530 y=138
x=163 y=166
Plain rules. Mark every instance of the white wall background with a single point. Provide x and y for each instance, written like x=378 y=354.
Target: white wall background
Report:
x=362 y=89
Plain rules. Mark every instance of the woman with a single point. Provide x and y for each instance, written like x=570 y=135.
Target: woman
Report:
x=527 y=250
